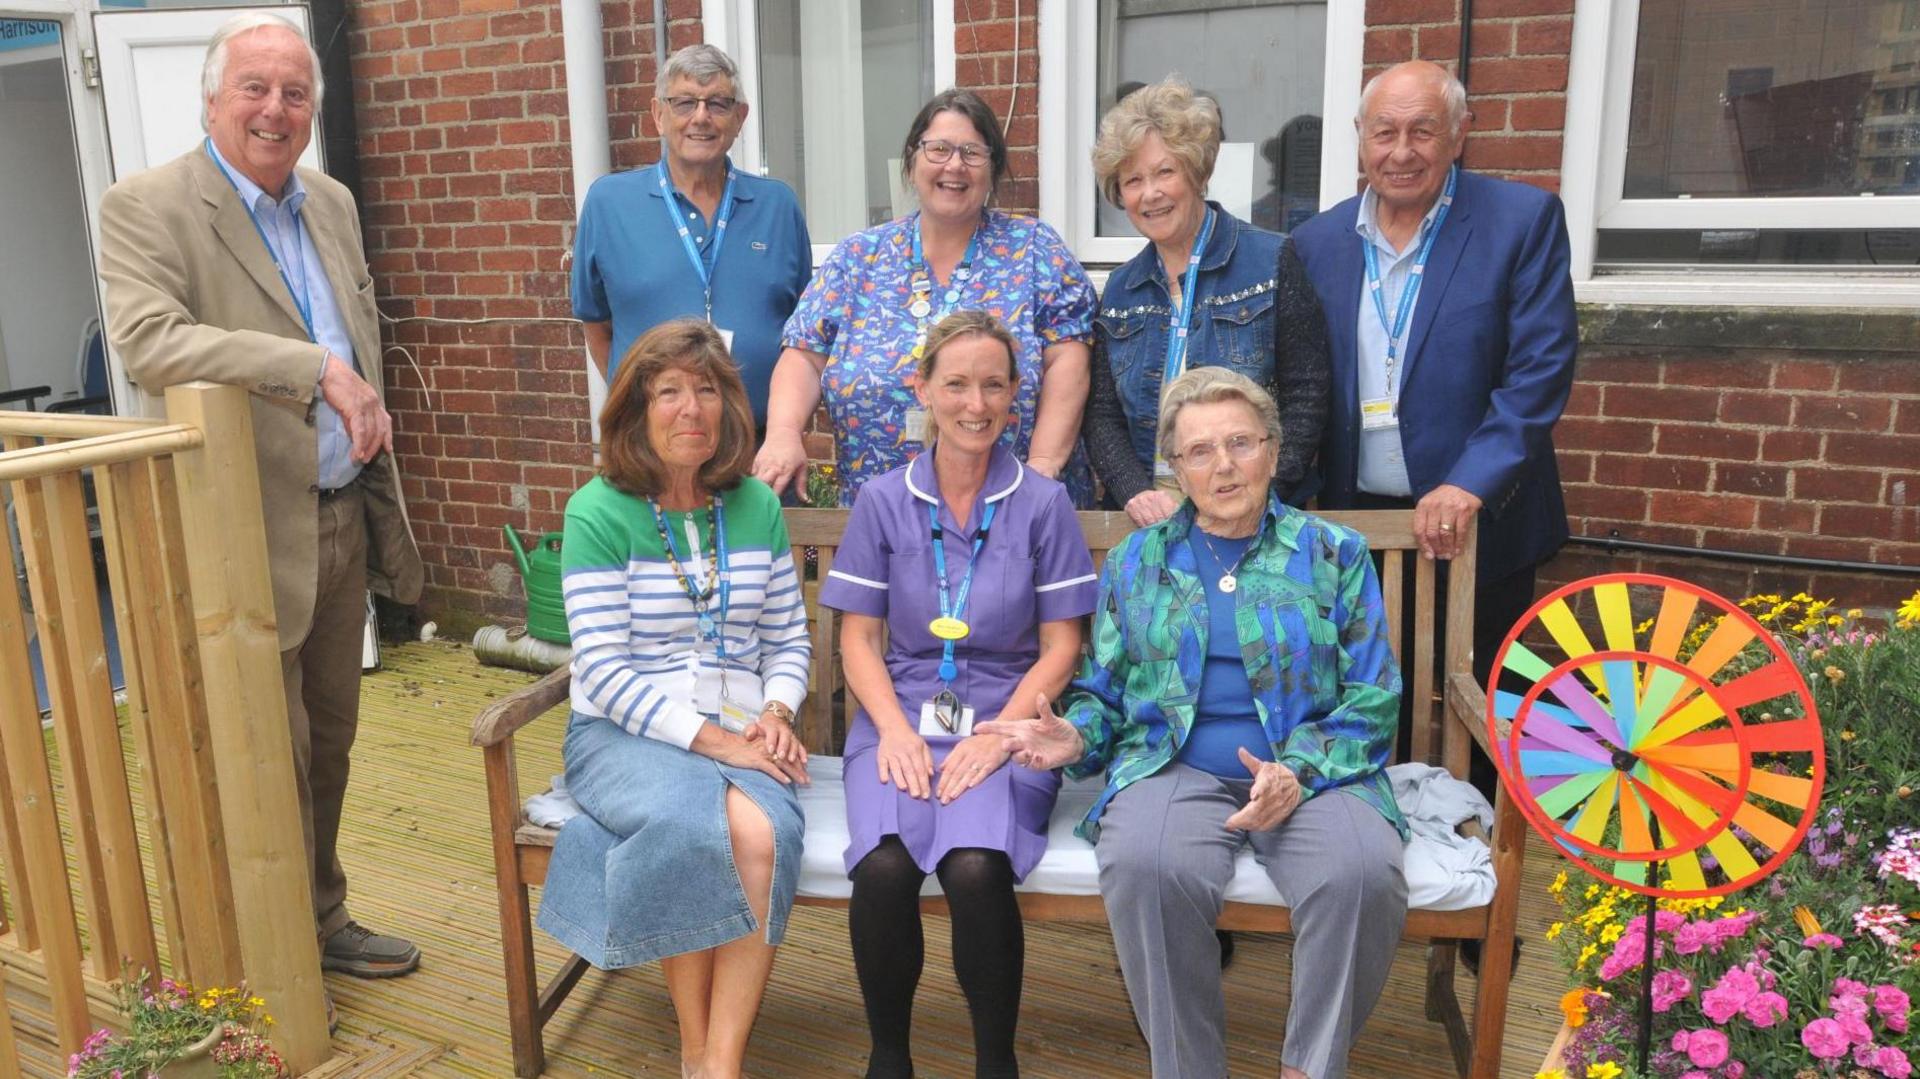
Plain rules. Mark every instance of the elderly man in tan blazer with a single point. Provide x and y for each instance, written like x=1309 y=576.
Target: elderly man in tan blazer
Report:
x=232 y=265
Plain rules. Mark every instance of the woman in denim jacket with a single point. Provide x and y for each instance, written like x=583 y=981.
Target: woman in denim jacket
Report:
x=1208 y=290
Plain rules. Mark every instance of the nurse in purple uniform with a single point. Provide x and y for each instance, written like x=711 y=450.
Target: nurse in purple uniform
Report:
x=963 y=577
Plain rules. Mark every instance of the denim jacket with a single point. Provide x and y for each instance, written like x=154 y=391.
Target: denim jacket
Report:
x=1254 y=311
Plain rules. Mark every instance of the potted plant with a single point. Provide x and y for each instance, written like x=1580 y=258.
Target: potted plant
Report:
x=175 y=1032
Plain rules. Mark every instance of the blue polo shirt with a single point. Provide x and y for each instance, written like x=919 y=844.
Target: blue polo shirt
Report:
x=630 y=268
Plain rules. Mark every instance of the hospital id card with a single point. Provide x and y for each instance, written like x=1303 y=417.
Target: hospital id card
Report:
x=1378 y=414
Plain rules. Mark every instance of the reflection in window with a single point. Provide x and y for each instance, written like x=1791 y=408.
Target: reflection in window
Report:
x=839 y=86
x=1781 y=98
x=1263 y=62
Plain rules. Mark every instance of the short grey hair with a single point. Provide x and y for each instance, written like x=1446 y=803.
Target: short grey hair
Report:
x=702 y=63
x=1453 y=97
x=213 y=70
x=1187 y=121
x=1209 y=385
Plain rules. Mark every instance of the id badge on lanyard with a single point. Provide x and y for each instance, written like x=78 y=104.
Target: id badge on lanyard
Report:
x=702 y=267
x=1179 y=323
x=1383 y=413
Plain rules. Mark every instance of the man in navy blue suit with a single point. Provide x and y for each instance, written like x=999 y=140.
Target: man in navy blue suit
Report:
x=1451 y=318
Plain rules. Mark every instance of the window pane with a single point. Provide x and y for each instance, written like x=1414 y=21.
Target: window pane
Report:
x=1775 y=98
x=1263 y=62
x=839 y=86
x=1893 y=248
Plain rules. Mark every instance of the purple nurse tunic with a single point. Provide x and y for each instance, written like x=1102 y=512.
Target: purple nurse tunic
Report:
x=1033 y=568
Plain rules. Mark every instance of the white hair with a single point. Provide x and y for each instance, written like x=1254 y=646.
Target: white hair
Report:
x=702 y=63
x=213 y=71
x=1453 y=97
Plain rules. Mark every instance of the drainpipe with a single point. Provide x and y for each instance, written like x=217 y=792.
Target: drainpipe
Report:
x=586 y=61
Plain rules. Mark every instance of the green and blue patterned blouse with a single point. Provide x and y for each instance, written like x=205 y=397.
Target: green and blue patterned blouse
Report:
x=1312 y=632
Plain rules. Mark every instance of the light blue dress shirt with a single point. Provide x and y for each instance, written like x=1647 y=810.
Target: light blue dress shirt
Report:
x=1383 y=465
x=280 y=223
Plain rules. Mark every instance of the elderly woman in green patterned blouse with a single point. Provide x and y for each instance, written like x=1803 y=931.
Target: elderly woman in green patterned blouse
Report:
x=1241 y=692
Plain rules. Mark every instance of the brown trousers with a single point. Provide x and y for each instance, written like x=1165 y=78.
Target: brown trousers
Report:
x=322 y=679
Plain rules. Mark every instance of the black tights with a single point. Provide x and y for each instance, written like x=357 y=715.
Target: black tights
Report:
x=989 y=952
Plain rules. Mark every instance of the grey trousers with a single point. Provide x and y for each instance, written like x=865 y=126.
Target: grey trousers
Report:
x=321 y=677
x=1165 y=862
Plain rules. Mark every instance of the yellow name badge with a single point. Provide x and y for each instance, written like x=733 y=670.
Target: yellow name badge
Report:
x=736 y=717
x=949 y=629
x=1376 y=414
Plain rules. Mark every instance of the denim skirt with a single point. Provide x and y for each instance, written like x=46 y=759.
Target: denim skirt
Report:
x=647 y=871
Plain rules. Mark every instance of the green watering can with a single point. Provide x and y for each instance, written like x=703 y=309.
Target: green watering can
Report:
x=540 y=572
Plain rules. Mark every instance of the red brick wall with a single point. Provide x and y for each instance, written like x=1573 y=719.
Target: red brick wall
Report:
x=469 y=211
x=1804 y=454
x=1001 y=60
x=1516 y=75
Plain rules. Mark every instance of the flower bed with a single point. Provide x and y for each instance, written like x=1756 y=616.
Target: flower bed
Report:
x=1814 y=972
x=171 y=1025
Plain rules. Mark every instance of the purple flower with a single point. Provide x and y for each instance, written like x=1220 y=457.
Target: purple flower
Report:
x=1728 y=996
x=1824 y=940
x=1670 y=987
x=1765 y=1009
x=1824 y=1039
x=1707 y=1048
x=1892 y=1063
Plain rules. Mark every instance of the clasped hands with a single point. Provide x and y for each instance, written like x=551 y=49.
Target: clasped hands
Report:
x=768 y=745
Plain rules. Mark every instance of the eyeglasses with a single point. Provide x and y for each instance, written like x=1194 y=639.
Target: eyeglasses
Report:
x=940 y=151
x=716 y=106
x=1202 y=455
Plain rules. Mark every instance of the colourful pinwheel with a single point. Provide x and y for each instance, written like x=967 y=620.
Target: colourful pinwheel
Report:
x=1694 y=744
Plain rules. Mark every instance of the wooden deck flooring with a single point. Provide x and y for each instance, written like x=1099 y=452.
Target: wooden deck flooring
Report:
x=415 y=845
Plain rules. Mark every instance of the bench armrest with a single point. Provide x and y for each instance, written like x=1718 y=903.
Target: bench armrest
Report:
x=1467 y=706
x=497 y=721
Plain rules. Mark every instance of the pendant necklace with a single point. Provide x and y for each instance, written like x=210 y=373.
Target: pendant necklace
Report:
x=1228 y=579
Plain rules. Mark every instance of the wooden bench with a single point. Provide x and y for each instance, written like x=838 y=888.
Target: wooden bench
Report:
x=1448 y=714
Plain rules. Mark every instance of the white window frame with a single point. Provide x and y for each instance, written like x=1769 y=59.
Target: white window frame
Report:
x=1069 y=87
x=733 y=25
x=1592 y=177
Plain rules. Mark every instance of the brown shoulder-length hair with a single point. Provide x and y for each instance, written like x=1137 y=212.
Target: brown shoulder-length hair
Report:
x=627 y=457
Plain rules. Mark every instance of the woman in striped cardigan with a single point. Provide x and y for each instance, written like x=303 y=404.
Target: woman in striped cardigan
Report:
x=690 y=656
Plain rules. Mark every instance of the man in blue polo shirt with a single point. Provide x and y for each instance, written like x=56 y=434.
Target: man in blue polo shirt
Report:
x=692 y=235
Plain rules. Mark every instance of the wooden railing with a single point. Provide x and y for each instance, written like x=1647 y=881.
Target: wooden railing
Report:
x=185 y=555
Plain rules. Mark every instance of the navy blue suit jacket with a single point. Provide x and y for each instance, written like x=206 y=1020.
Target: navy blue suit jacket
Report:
x=1489 y=362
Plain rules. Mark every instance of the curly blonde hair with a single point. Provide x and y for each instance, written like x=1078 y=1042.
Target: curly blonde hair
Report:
x=1188 y=122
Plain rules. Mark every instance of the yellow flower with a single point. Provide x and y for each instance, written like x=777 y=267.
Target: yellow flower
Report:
x=1592 y=890
x=1847 y=736
x=1586 y=953
x=1559 y=884
x=1557 y=1073
x=1573 y=1005
x=1909 y=611
x=1835 y=674
x=1612 y=932
x=1855 y=612
x=1804 y=918
x=1554 y=930
x=1605 y=1069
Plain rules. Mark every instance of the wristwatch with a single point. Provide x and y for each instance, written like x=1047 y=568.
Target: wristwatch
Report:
x=780 y=711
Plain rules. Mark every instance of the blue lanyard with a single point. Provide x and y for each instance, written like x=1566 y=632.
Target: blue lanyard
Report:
x=1179 y=321
x=301 y=301
x=923 y=309
x=703 y=267
x=1398 y=327
x=955 y=605
x=714 y=632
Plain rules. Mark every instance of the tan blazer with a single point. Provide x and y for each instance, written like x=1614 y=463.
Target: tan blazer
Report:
x=193 y=294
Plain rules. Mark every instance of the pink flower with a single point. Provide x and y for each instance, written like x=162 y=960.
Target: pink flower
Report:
x=1725 y=1000
x=1693 y=936
x=1824 y=1039
x=1890 y=1001
x=1847 y=987
x=1707 y=1048
x=1735 y=927
x=1734 y=1070
x=1856 y=1029
x=1892 y=1063
x=1765 y=1009
x=1670 y=987
x=1824 y=940
x=1680 y=1040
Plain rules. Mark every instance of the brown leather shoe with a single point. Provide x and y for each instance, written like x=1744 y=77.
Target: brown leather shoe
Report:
x=354 y=949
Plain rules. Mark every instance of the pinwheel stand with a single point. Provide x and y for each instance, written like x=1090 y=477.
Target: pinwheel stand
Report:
x=1637 y=758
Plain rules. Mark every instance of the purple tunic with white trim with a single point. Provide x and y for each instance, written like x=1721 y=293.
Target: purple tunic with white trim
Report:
x=1033 y=568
